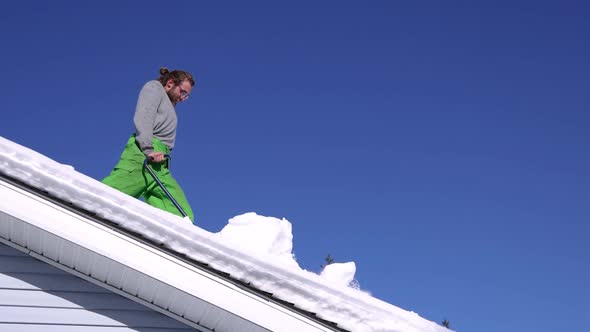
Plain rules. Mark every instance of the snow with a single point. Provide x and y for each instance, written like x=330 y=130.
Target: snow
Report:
x=252 y=248
x=261 y=236
x=341 y=274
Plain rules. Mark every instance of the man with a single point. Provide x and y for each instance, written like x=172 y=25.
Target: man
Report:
x=155 y=132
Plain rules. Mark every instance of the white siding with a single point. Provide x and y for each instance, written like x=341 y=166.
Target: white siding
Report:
x=35 y=296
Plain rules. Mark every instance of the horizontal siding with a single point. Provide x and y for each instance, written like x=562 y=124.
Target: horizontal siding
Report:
x=35 y=296
x=58 y=283
x=8 y=251
x=69 y=328
x=102 y=317
x=27 y=264
x=75 y=300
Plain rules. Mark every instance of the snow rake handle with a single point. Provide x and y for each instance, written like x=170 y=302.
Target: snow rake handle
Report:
x=145 y=164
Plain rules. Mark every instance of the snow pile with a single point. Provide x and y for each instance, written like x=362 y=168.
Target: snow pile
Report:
x=272 y=239
x=266 y=237
x=340 y=274
x=252 y=248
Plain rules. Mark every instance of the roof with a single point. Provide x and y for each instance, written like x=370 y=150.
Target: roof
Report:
x=80 y=225
x=192 y=293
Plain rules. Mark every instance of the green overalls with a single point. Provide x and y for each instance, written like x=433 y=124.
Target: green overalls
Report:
x=130 y=177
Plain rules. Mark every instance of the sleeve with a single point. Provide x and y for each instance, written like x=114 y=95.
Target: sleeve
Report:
x=145 y=115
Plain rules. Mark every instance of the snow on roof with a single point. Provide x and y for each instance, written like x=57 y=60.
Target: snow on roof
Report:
x=251 y=248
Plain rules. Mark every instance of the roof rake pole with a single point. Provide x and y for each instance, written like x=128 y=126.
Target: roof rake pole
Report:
x=145 y=164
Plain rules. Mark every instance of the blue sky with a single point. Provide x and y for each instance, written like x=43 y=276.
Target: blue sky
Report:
x=443 y=147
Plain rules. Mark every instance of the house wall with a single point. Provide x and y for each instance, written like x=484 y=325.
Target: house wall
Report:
x=35 y=296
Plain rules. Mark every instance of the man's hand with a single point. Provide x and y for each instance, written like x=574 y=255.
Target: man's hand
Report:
x=156 y=157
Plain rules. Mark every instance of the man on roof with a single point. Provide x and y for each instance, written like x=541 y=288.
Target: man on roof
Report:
x=155 y=132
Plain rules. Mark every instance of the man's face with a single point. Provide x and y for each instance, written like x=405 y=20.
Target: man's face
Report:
x=178 y=92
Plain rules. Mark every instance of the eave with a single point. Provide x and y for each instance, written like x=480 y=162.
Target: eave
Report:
x=191 y=292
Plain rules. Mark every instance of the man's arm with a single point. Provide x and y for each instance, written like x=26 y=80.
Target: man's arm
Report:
x=145 y=115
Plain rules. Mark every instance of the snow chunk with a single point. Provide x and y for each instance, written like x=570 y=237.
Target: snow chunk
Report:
x=260 y=235
x=339 y=274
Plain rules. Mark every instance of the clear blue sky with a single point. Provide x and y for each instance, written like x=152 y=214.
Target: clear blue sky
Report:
x=442 y=146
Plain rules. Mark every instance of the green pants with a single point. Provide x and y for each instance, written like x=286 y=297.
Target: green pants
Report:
x=130 y=177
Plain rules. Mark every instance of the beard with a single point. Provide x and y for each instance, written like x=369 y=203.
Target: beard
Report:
x=173 y=99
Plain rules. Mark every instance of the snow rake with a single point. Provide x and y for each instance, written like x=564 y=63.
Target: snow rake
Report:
x=146 y=166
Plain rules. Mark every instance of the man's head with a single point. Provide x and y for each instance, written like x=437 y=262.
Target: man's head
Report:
x=177 y=83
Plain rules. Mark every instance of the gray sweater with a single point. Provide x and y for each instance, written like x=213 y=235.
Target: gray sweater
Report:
x=155 y=116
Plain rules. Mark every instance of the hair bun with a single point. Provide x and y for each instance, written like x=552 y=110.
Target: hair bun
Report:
x=164 y=71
